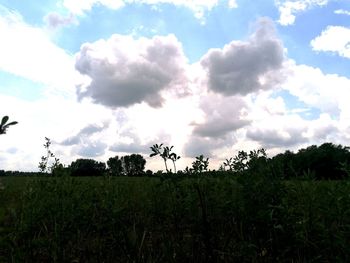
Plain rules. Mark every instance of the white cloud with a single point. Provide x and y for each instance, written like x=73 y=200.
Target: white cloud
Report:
x=197 y=145
x=125 y=71
x=279 y=131
x=28 y=52
x=80 y=6
x=199 y=7
x=326 y=92
x=55 y=20
x=203 y=122
x=222 y=115
x=342 y=12
x=91 y=149
x=333 y=39
x=246 y=67
x=54 y=117
x=290 y=8
x=84 y=134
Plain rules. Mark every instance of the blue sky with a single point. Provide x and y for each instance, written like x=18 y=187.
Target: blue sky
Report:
x=104 y=78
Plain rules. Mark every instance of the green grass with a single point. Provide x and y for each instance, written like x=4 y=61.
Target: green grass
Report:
x=123 y=219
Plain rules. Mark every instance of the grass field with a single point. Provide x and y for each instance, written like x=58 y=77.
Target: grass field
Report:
x=123 y=219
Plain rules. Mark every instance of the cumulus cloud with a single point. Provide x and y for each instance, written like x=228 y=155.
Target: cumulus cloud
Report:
x=197 y=145
x=27 y=51
x=126 y=71
x=288 y=9
x=91 y=149
x=55 y=20
x=292 y=131
x=199 y=7
x=135 y=145
x=326 y=92
x=83 y=134
x=342 y=12
x=278 y=138
x=333 y=39
x=246 y=67
x=222 y=116
x=84 y=143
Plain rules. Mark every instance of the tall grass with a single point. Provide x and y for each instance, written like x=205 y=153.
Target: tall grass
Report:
x=244 y=219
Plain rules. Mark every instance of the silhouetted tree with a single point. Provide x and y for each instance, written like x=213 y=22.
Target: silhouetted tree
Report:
x=165 y=153
x=44 y=163
x=4 y=125
x=115 y=166
x=326 y=162
x=87 y=167
x=133 y=164
x=200 y=164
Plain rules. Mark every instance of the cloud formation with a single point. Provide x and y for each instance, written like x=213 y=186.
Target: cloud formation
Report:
x=197 y=145
x=125 y=71
x=278 y=138
x=91 y=149
x=54 y=20
x=222 y=116
x=246 y=67
x=84 y=134
x=290 y=8
x=135 y=145
x=342 y=12
x=334 y=39
x=199 y=7
x=326 y=92
x=27 y=51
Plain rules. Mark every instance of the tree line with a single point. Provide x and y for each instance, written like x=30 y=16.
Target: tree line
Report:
x=327 y=161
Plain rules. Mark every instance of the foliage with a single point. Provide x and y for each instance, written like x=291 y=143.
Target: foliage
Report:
x=247 y=218
x=129 y=165
x=133 y=164
x=44 y=166
x=87 y=167
x=199 y=165
x=165 y=153
x=327 y=161
x=244 y=161
x=115 y=166
x=4 y=125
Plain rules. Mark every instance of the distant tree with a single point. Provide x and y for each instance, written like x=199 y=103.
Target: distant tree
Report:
x=4 y=125
x=165 y=153
x=133 y=164
x=200 y=164
x=326 y=161
x=243 y=161
x=115 y=166
x=44 y=166
x=87 y=167
x=240 y=161
x=257 y=159
x=283 y=165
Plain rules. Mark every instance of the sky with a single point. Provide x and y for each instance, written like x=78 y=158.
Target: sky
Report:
x=102 y=78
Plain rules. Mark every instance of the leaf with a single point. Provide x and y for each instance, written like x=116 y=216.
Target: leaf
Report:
x=152 y=154
x=12 y=123
x=4 y=120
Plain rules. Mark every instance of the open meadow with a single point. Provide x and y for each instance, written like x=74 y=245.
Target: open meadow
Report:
x=207 y=218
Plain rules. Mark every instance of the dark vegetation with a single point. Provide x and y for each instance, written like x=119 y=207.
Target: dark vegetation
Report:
x=294 y=207
x=4 y=124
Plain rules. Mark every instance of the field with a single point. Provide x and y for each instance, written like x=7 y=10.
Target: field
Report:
x=204 y=219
